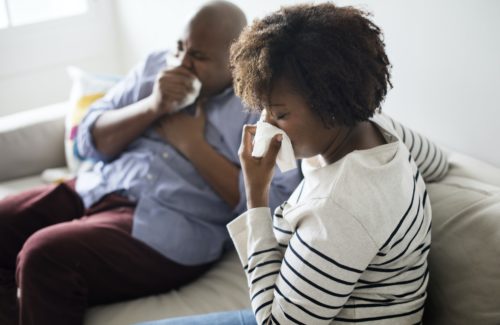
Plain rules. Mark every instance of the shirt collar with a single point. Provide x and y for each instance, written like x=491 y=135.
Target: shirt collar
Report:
x=229 y=91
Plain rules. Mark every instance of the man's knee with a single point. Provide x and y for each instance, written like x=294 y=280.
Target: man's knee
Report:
x=45 y=250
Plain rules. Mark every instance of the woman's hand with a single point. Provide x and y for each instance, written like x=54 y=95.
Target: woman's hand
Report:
x=257 y=172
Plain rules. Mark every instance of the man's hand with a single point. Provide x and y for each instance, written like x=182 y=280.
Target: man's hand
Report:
x=186 y=133
x=171 y=87
x=183 y=131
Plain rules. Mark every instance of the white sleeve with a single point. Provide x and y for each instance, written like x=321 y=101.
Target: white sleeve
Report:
x=313 y=279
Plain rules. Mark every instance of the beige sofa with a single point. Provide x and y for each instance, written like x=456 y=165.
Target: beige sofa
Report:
x=464 y=263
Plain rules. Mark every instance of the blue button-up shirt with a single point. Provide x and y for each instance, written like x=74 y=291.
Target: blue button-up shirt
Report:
x=177 y=211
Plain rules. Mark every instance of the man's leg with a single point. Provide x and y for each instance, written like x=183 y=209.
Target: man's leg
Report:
x=67 y=267
x=20 y=216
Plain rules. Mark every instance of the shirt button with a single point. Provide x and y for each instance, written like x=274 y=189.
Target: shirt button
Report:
x=149 y=176
x=165 y=155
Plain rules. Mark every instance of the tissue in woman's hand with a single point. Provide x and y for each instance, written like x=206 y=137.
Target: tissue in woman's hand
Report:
x=190 y=98
x=263 y=135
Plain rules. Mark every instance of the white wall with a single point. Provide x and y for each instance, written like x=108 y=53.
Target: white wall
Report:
x=33 y=58
x=446 y=58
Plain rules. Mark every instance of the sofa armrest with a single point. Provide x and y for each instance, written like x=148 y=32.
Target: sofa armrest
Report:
x=32 y=141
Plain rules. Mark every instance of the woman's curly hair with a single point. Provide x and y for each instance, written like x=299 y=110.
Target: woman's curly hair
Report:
x=333 y=56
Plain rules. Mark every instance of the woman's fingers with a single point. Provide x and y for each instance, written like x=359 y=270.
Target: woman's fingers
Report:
x=246 y=146
x=274 y=148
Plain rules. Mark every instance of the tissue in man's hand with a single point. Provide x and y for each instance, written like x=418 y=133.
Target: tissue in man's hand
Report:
x=263 y=135
x=189 y=99
x=171 y=62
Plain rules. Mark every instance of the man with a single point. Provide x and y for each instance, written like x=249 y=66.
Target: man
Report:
x=151 y=215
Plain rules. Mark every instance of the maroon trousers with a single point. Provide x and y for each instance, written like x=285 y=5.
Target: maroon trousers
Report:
x=64 y=258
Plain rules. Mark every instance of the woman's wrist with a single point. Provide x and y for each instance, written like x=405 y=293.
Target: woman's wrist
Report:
x=257 y=198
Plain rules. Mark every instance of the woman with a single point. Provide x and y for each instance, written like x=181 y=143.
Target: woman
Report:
x=351 y=243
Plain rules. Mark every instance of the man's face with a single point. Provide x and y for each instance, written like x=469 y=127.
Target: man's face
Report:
x=206 y=54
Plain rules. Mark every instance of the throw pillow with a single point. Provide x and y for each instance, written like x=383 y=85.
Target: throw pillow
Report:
x=86 y=89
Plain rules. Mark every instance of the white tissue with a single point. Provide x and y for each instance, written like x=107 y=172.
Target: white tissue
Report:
x=172 y=62
x=190 y=97
x=263 y=135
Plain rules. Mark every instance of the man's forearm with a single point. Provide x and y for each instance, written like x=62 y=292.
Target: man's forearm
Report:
x=115 y=130
x=217 y=170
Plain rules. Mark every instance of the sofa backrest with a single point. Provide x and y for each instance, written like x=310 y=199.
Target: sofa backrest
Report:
x=32 y=141
x=464 y=260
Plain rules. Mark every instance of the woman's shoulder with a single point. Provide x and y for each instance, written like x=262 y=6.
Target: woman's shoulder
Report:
x=377 y=188
x=373 y=186
x=375 y=167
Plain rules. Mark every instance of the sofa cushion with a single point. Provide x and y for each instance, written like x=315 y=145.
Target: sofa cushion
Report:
x=464 y=261
x=222 y=288
x=19 y=184
x=32 y=141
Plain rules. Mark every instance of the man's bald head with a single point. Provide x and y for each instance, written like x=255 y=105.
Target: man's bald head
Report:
x=222 y=18
x=205 y=46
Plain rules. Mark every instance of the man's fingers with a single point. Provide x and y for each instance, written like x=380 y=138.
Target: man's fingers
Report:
x=175 y=82
x=178 y=76
x=166 y=86
x=180 y=70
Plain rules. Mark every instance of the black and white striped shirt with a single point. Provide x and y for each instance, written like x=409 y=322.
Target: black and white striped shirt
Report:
x=432 y=161
x=351 y=243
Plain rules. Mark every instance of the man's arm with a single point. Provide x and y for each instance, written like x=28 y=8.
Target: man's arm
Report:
x=219 y=172
x=114 y=130
x=186 y=134
x=128 y=95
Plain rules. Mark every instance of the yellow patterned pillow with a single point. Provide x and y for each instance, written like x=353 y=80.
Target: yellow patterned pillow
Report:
x=86 y=89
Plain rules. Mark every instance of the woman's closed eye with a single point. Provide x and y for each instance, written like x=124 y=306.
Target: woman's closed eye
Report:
x=281 y=116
